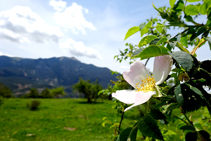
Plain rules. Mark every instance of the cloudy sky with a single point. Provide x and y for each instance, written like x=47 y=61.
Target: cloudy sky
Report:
x=90 y=30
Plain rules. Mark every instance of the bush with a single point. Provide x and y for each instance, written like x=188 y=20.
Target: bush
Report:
x=1 y=100
x=34 y=104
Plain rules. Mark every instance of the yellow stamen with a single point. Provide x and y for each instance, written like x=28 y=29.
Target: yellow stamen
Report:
x=148 y=84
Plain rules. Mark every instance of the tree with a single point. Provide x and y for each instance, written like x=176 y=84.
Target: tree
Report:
x=5 y=91
x=46 y=93
x=90 y=90
x=32 y=94
x=59 y=91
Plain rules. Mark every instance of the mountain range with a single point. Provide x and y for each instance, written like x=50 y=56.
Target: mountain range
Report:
x=21 y=74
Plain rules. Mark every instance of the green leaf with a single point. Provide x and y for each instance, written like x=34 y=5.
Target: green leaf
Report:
x=187 y=98
x=187 y=127
x=208 y=2
x=148 y=127
x=191 y=136
x=146 y=28
x=154 y=42
x=142 y=25
x=157 y=114
x=124 y=134
x=146 y=40
x=162 y=40
x=132 y=31
x=205 y=135
x=184 y=59
x=209 y=41
x=152 y=51
x=137 y=52
x=195 y=90
x=203 y=9
x=133 y=134
x=172 y=2
x=198 y=126
x=193 y=0
x=159 y=27
x=184 y=41
x=191 y=10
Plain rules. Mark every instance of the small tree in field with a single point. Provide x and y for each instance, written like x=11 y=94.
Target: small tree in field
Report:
x=59 y=91
x=32 y=94
x=46 y=93
x=5 y=91
x=90 y=90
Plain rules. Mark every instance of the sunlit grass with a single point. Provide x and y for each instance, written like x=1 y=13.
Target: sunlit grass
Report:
x=68 y=119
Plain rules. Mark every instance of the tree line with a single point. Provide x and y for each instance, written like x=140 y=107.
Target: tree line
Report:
x=85 y=88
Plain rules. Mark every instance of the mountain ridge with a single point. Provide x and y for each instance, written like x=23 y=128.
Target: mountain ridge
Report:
x=20 y=74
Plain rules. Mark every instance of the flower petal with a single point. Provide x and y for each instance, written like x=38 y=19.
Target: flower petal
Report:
x=141 y=98
x=125 y=96
x=137 y=72
x=162 y=67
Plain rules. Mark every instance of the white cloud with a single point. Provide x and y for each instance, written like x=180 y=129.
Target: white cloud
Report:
x=79 y=49
x=21 y=24
x=73 y=18
x=58 y=5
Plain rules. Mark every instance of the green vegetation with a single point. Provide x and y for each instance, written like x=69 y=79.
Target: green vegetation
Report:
x=34 y=104
x=46 y=93
x=70 y=119
x=88 y=89
x=5 y=91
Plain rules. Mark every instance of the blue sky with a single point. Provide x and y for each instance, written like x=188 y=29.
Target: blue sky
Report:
x=92 y=31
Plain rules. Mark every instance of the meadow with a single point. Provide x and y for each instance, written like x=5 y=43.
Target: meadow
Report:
x=65 y=120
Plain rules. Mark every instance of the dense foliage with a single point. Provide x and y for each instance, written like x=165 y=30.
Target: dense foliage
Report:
x=190 y=79
x=46 y=93
x=5 y=91
x=88 y=89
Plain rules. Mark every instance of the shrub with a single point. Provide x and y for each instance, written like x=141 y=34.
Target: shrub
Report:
x=1 y=100
x=34 y=104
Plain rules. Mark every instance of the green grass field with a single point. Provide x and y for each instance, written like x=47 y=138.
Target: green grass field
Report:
x=61 y=120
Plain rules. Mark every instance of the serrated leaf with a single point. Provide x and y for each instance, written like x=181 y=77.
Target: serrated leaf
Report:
x=132 y=31
x=146 y=40
x=146 y=28
x=187 y=99
x=148 y=127
x=152 y=51
x=191 y=10
x=195 y=90
x=187 y=127
x=172 y=2
x=193 y=0
x=203 y=9
x=154 y=42
x=184 y=59
x=162 y=40
x=136 y=52
x=124 y=134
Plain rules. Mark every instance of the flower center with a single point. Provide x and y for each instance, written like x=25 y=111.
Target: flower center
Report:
x=148 y=84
